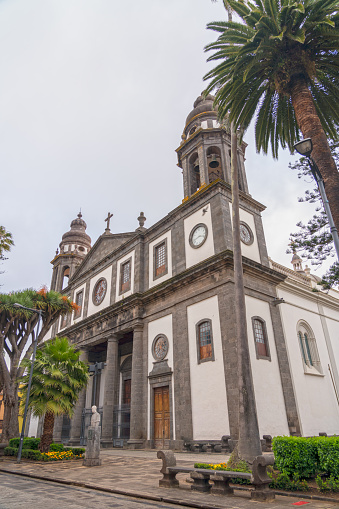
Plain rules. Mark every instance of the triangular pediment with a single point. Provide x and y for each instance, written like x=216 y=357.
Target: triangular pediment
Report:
x=104 y=246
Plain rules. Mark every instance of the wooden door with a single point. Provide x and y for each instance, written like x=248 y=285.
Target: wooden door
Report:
x=161 y=418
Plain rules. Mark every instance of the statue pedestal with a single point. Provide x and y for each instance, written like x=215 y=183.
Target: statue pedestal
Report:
x=92 y=455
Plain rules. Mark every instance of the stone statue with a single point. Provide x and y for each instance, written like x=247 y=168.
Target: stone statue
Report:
x=95 y=419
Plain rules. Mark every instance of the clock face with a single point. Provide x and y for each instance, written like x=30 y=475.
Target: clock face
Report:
x=198 y=235
x=99 y=291
x=160 y=347
x=246 y=234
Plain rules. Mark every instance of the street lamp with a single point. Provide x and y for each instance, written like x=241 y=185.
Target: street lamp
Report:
x=30 y=377
x=304 y=148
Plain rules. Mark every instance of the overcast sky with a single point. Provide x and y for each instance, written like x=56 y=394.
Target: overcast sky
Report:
x=93 y=100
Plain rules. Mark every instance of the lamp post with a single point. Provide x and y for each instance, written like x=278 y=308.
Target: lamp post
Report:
x=22 y=435
x=304 y=148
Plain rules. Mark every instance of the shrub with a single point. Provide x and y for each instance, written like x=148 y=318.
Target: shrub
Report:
x=11 y=451
x=28 y=443
x=59 y=455
x=328 y=454
x=56 y=447
x=296 y=455
x=77 y=451
x=330 y=484
x=283 y=482
x=31 y=454
x=241 y=466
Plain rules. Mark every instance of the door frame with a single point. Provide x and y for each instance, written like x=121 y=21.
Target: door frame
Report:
x=156 y=381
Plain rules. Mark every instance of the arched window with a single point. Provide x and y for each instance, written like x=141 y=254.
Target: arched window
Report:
x=260 y=338
x=65 y=277
x=308 y=348
x=204 y=341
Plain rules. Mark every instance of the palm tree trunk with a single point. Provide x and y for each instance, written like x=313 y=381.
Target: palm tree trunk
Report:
x=249 y=445
x=310 y=126
x=47 y=434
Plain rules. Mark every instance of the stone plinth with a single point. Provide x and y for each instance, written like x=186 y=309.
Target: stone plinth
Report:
x=92 y=455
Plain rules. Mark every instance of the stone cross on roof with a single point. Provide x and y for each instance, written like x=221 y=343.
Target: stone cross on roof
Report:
x=108 y=218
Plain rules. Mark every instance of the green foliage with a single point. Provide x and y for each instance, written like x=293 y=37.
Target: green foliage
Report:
x=313 y=241
x=241 y=466
x=28 y=443
x=58 y=377
x=329 y=484
x=6 y=242
x=31 y=454
x=77 y=451
x=284 y=482
x=305 y=457
x=56 y=447
x=328 y=454
x=259 y=62
x=11 y=451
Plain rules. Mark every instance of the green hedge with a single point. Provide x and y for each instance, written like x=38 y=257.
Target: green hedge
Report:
x=28 y=443
x=305 y=457
x=11 y=451
x=77 y=451
x=56 y=447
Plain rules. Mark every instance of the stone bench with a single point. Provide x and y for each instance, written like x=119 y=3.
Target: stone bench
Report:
x=220 y=478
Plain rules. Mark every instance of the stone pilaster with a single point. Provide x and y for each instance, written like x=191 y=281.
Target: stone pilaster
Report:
x=137 y=431
x=202 y=165
x=74 y=438
x=109 y=391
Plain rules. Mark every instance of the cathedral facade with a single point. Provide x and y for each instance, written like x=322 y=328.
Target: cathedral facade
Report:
x=156 y=317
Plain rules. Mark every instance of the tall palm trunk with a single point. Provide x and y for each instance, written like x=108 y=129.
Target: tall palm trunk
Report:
x=47 y=434
x=249 y=445
x=310 y=126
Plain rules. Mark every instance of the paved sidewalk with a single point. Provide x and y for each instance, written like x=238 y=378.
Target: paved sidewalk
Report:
x=137 y=473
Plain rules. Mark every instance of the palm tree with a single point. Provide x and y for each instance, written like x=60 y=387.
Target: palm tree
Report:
x=281 y=65
x=6 y=242
x=58 y=378
x=17 y=332
x=249 y=445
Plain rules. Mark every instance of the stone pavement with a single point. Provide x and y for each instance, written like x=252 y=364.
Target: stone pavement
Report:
x=137 y=474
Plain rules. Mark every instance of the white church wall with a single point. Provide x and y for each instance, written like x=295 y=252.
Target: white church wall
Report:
x=76 y=291
x=160 y=326
x=119 y=296
x=107 y=274
x=151 y=280
x=316 y=400
x=33 y=426
x=196 y=255
x=208 y=391
x=251 y=251
x=269 y=397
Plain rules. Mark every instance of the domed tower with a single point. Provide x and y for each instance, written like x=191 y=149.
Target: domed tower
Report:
x=205 y=150
x=297 y=262
x=74 y=246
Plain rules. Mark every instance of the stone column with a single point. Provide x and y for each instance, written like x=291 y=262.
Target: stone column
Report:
x=202 y=165
x=109 y=391
x=74 y=437
x=137 y=436
x=186 y=179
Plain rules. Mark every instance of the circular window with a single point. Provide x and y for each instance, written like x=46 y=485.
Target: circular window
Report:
x=99 y=291
x=160 y=347
x=198 y=235
x=246 y=234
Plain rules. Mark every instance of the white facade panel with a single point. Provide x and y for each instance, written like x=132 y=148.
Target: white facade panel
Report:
x=269 y=397
x=107 y=274
x=208 y=390
x=316 y=399
x=196 y=255
x=250 y=251
x=119 y=296
x=152 y=281
x=161 y=326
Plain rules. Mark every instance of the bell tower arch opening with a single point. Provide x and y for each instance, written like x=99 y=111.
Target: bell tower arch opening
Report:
x=214 y=164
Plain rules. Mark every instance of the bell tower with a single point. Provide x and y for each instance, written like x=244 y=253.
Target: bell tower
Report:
x=74 y=246
x=205 y=150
